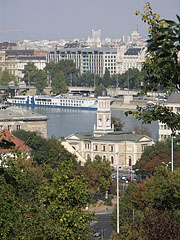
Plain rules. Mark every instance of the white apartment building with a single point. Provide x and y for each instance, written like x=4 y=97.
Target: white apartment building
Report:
x=132 y=57
x=39 y=62
x=173 y=103
x=93 y=60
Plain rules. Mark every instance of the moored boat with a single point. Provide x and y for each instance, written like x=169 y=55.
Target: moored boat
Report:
x=59 y=101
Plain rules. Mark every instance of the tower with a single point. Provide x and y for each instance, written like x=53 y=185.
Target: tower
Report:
x=103 y=115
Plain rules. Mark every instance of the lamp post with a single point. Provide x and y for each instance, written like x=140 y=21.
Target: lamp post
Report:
x=117 y=162
x=166 y=164
x=172 y=156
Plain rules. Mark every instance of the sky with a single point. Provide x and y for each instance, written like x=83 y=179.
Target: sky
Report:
x=69 y=19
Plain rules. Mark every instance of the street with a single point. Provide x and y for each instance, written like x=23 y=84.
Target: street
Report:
x=103 y=225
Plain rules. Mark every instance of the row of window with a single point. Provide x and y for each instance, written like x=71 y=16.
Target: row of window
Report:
x=9 y=127
x=111 y=147
x=165 y=136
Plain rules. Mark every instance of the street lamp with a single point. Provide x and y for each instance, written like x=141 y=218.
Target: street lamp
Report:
x=166 y=164
x=117 y=162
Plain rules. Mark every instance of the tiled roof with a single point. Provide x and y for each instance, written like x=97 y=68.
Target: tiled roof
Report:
x=6 y=136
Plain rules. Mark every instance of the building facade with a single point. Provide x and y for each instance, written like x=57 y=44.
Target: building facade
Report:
x=130 y=58
x=93 y=60
x=14 y=61
x=14 y=118
x=173 y=103
x=120 y=148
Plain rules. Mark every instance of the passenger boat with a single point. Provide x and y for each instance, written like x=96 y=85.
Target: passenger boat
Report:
x=59 y=101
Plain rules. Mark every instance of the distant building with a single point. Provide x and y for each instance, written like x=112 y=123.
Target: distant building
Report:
x=93 y=60
x=173 y=103
x=122 y=148
x=14 y=61
x=132 y=57
x=14 y=118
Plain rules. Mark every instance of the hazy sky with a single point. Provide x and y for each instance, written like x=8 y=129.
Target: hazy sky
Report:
x=68 y=19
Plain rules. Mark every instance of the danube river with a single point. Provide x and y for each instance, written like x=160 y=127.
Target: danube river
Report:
x=62 y=122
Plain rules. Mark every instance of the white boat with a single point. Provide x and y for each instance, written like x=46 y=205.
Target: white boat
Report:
x=55 y=102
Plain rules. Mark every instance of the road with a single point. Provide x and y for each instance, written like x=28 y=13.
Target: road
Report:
x=103 y=225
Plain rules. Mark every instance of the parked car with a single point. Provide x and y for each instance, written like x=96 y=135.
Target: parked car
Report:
x=97 y=235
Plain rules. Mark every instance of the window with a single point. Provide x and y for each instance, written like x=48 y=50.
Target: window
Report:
x=112 y=160
x=1 y=127
x=143 y=147
x=18 y=127
x=103 y=148
x=104 y=157
x=95 y=147
x=9 y=127
x=111 y=149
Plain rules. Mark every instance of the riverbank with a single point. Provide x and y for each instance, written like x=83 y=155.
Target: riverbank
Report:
x=132 y=105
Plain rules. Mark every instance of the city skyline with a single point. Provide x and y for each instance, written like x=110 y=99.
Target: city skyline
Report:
x=54 y=20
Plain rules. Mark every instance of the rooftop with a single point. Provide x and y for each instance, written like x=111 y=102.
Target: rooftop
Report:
x=11 y=142
x=16 y=113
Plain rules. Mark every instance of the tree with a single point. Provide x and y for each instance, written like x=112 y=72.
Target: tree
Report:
x=98 y=90
x=40 y=202
x=6 y=77
x=157 y=155
x=118 y=125
x=150 y=210
x=29 y=73
x=106 y=81
x=68 y=68
x=45 y=151
x=132 y=78
x=142 y=130
x=162 y=67
x=86 y=80
x=104 y=170
x=40 y=80
x=59 y=83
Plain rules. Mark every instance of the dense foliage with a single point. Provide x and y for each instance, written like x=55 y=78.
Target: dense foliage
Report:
x=45 y=151
x=162 y=67
x=150 y=209
x=6 y=77
x=102 y=167
x=42 y=197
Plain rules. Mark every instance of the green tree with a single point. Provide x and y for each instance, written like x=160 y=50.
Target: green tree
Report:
x=104 y=170
x=98 y=90
x=162 y=67
x=58 y=84
x=106 y=80
x=6 y=77
x=29 y=73
x=150 y=210
x=118 y=125
x=68 y=68
x=86 y=80
x=40 y=80
x=42 y=203
x=45 y=151
x=157 y=155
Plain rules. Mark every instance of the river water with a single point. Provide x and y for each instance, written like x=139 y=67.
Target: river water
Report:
x=63 y=122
